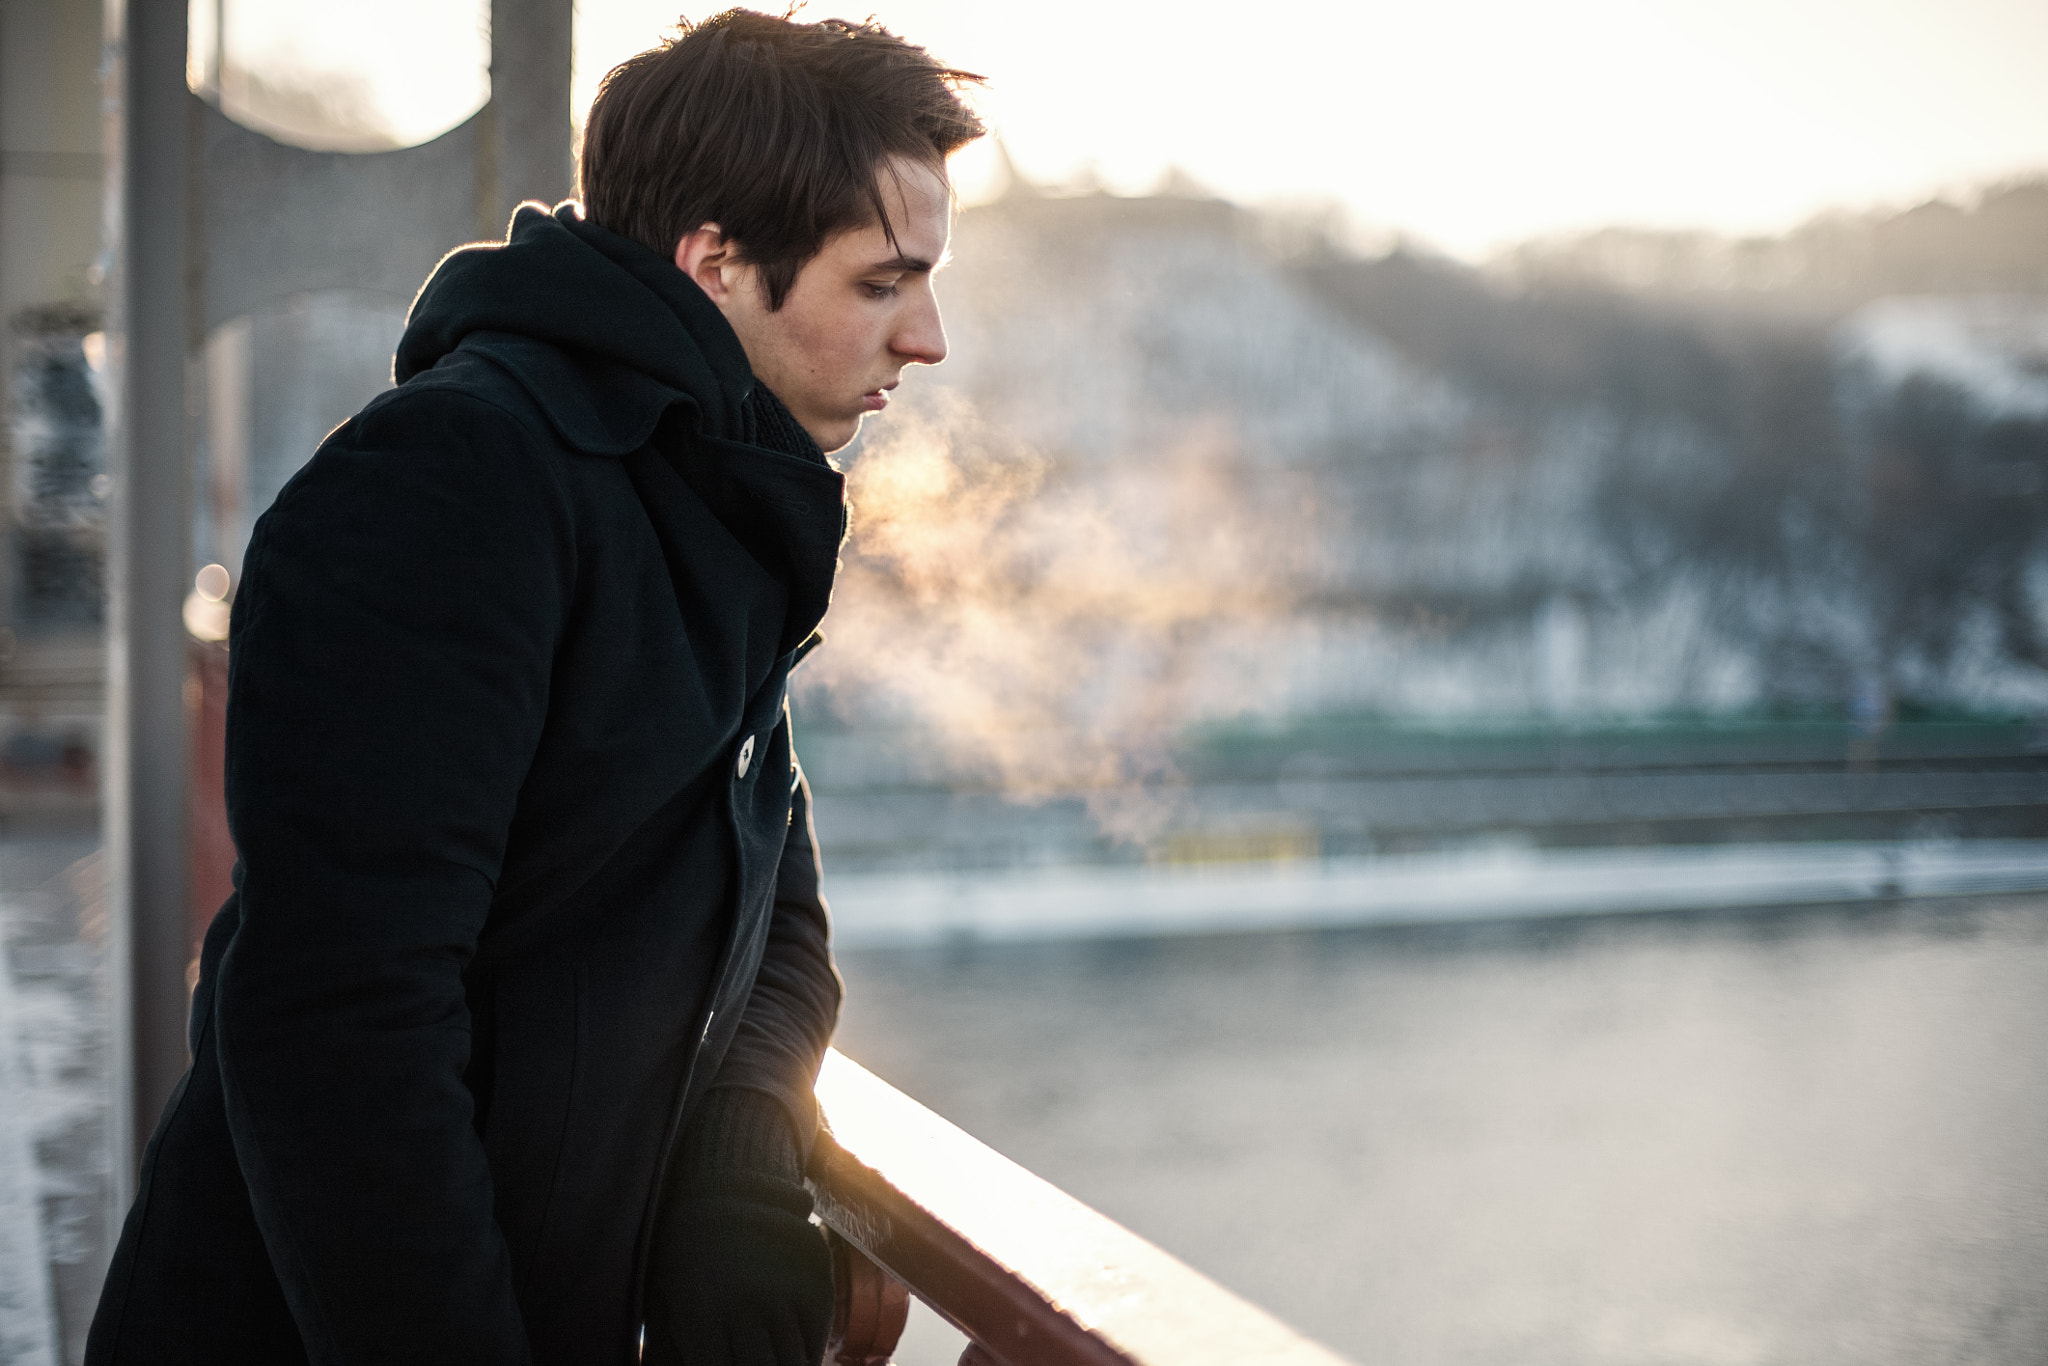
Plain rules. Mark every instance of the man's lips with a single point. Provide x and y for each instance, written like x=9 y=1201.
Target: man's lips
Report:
x=874 y=400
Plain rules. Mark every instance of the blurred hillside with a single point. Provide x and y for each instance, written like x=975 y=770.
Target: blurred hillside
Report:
x=1997 y=244
x=1626 y=476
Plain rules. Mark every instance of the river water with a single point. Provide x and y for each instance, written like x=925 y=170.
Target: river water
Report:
x=1815 y=1136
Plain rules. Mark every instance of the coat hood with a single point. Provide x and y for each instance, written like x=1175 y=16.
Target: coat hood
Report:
x=606 y=337
x=604 y=334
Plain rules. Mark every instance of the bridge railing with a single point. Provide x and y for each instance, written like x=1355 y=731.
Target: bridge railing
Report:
x=1031 y=1275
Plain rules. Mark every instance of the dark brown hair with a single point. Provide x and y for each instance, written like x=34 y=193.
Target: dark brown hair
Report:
x=776 y=131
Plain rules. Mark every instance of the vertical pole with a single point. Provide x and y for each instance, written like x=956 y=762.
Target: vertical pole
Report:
x=528 y=155
x=146 y=828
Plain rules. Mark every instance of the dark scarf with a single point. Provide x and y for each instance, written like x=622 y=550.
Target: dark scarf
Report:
x=764 y=421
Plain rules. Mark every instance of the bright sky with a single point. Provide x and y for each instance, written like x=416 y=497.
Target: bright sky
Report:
x=1468 y=123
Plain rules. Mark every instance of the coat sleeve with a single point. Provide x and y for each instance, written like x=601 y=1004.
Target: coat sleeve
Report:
x=390 y=661
x=794 y=1006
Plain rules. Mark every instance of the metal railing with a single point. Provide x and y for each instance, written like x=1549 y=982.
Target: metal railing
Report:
x=1031 y=1275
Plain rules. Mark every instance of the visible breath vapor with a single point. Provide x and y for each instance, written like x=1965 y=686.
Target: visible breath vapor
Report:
x=1054 y=628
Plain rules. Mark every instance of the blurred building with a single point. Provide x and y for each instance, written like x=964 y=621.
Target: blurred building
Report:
x=52 y=659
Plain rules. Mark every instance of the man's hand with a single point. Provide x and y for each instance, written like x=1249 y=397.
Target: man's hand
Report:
x=738 y=1276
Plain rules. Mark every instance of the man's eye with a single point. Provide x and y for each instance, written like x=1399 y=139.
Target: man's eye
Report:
x=876 y=291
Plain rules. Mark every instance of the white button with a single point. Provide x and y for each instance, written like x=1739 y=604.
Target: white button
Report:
x=746 y=755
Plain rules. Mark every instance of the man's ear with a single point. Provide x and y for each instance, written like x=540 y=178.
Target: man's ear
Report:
x=707 y=256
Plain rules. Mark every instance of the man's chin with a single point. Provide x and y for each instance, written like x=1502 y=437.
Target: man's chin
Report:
x=836 y=435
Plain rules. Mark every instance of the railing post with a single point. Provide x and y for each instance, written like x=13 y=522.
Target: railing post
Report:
x=869 y=1311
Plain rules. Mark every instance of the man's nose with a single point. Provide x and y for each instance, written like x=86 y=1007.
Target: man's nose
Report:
x=921 y=337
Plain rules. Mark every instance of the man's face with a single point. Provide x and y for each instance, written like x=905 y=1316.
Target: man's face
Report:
x=859 y=312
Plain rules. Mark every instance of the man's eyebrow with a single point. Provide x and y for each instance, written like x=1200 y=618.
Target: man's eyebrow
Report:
x=915 y=265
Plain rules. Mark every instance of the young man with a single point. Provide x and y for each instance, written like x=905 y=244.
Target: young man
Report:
x=503 y=1047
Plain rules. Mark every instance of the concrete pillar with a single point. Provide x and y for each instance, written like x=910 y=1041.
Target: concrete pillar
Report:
x=526 y=152
x=150 y=334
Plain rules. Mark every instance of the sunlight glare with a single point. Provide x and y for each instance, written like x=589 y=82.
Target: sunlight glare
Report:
x=1469 y=124
x=356 y=77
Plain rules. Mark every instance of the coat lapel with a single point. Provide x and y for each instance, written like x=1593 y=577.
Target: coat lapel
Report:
x=732 y=608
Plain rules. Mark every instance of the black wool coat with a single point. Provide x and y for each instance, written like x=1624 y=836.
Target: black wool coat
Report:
x=526 y=861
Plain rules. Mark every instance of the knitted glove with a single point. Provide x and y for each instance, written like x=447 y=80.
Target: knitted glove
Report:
x=738 y=1275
